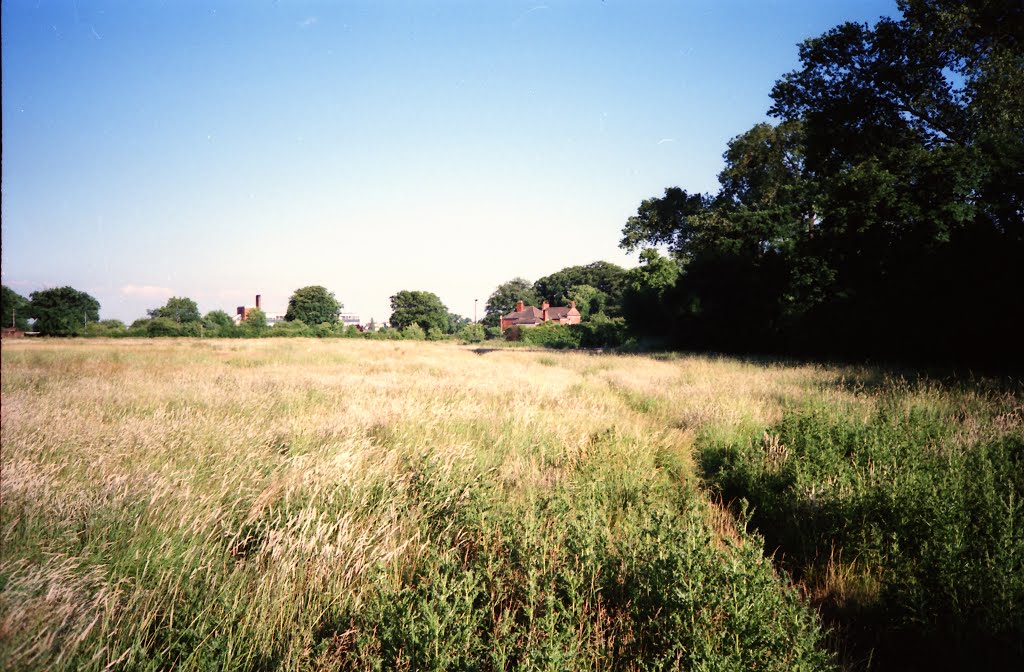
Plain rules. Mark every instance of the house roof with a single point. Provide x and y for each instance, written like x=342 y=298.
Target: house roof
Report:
x=528 y=315
x=534 y=315
x=560 y=312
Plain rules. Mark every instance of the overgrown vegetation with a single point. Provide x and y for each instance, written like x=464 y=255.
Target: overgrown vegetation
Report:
x=350 y=504
x=902 y=511
x=598 y=332
x=882 y=216
x=275 y=504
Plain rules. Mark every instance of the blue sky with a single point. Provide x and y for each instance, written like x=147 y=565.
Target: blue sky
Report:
x=218 y=150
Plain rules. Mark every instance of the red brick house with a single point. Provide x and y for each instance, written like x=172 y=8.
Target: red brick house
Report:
x=531 y=316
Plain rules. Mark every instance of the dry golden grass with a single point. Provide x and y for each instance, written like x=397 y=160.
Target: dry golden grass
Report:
x=266 y=482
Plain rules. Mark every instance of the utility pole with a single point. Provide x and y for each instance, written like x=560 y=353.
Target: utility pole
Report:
x=474 y=311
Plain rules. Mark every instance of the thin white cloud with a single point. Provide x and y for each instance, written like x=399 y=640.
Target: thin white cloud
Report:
x=21 y=284
x=527 y=13
x=147 y=291
x=308 y=21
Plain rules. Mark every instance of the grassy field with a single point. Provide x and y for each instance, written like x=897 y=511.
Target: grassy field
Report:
x=336 y=505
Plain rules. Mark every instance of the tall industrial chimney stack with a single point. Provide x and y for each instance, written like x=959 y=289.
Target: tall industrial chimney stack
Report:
x=258 y=302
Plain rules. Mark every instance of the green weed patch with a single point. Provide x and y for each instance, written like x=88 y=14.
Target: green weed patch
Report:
x=908 y=524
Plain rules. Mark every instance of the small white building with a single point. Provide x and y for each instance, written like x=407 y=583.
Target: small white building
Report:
x=274 y=318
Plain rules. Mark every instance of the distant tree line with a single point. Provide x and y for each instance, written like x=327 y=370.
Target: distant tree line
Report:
x=882 y=216
x=60 y=311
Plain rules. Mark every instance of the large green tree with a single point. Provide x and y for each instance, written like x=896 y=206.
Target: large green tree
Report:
x=589 y=300
x=180 y=309
x=255 y=321
x=456 y=322
x=63 y=311
x=504 y=298
x=603 y=276
x=217 y=319
x=914 y=140
x=734 y=248
x=313 y=305
x=422 y=308
x=218 y=323
x=14 y=309
x=883 y=215
x=648 y=294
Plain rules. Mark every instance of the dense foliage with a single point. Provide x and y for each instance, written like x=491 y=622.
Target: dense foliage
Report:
x=922 y=523
x=63 y=311
x=504 y=298
x=178 y=309
x=374 y=506
x=883 y=216
x=596 y=288
x=217 y=322
x=313 y=305
x=14 y=309
x=423 y=309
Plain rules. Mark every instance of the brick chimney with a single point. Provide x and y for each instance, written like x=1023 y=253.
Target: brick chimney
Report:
x=544 y=310
x=519 y=306
x=572 y=305
x=258 y=302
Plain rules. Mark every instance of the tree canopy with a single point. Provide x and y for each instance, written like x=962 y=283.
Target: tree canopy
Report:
x=14 y=309
x=180 y=309
x=255 y=320
x=605 y=277
x=456 y=322
x=313 y=305
x=63 y=311
x=883 y=215
x=421 y=308
x=217 y=319
x=504 y=298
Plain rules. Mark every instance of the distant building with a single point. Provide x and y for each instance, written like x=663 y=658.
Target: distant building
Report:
x=349 y=319
x=242 y=313
x=274 y=318
x=531 y=316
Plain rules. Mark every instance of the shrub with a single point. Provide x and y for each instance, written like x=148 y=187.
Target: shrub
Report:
x=549 y=335
x=601 y=331
x=295 y=328
x=106 y=328
x=161 y=326
x=938 y=520
x=217 y=321
x=413 y=332
x=543 y=585
x=471 y=333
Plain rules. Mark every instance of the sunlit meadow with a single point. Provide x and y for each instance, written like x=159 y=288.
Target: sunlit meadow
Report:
x=309 y=504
